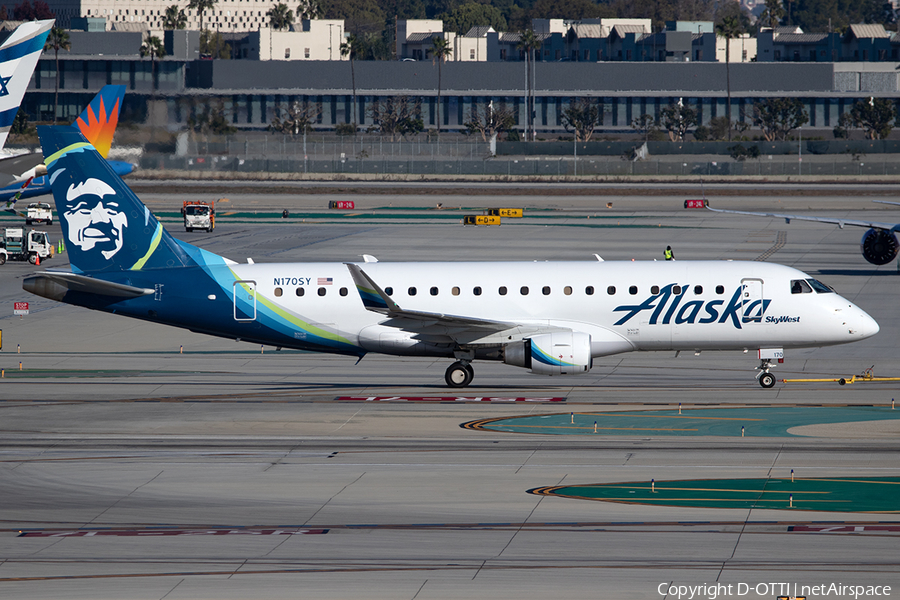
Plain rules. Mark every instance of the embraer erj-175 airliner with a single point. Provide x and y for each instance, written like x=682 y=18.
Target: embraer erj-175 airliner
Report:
x=553 y=318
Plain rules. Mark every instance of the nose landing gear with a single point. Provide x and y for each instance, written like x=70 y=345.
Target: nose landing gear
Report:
x=459 y=374
x=766 y=379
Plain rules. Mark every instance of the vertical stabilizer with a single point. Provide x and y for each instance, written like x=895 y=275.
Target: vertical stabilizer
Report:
x=99 y=119
x=19 y=55
x=106 y=227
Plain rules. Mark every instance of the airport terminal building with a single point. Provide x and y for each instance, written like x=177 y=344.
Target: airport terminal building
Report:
x=250 y=92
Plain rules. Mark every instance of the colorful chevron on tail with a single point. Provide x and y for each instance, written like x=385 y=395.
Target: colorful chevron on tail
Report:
x=99 y=119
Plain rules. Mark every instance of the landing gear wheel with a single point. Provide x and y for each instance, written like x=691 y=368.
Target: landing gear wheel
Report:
x=767 y=380
x=459 y=375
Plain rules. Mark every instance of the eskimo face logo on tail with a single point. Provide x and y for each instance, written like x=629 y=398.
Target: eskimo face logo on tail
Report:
x=95 y=222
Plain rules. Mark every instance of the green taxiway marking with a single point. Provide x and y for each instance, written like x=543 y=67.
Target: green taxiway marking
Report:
x=756 y=421
x=832 y=494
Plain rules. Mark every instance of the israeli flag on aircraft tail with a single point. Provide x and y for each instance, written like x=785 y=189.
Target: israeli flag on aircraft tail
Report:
x=105 y=226
x=19 y=55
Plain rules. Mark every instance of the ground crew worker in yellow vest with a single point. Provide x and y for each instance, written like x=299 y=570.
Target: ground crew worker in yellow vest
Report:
x=668 y=253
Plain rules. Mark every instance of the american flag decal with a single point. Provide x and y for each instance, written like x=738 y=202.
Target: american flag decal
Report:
x=325 y=281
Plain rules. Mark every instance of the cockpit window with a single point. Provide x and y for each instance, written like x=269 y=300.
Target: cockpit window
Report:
x=798 y=286
x=820 y=287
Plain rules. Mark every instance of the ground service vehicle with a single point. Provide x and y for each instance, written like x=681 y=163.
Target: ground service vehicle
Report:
x=199 y=214
x=39 y=212
x=17 y=244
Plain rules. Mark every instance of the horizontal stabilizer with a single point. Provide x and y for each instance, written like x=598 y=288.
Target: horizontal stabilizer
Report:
x=55 y=285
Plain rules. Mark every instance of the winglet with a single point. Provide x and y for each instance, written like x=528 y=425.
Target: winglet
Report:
x=373 y=297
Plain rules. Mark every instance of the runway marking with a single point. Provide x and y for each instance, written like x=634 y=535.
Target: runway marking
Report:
x=843 y=528
x=444 y=399
x=169 y=532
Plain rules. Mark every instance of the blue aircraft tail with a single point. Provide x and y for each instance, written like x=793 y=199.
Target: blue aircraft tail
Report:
x=106 y=227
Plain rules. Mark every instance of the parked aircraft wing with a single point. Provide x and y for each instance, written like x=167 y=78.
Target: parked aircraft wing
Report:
x=839 y=222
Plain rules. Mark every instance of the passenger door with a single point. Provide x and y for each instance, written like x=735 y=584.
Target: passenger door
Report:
x=244 y=300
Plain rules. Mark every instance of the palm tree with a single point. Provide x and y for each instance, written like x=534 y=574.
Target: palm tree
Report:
x=350 y=48
x=730 y=27
x=280 y=17
x=772 y=15
x=440 y=50
x=57 y=40
x=153 y=48
x=309 y=9
x=174 y=18
x=200 y=6
x=528 y=42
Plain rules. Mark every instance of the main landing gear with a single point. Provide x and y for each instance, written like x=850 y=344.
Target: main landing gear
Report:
x=459 y=374
x=766 y=379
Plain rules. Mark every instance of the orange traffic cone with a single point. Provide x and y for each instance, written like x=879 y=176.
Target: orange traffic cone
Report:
x=37 y=260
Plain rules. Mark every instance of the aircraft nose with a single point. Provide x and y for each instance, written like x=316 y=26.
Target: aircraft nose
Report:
x=859 y=324
x=868 y=326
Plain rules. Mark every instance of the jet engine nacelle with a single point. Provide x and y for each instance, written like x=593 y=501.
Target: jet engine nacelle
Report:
x=879 y=246
x=559 y=353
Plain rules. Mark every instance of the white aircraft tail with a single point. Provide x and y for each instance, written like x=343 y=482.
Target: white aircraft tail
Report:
x=19 y=55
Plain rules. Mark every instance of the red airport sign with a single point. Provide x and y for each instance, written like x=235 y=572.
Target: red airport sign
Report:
x=20 y=308
x=170 y=532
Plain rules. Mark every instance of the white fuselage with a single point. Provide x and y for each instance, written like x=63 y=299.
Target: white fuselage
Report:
x=623 y=306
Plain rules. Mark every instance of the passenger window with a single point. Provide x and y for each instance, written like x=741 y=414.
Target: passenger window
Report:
x=434 y=291
x=411 y=291
x=476 y=290
x=654 y=289
x=633 y=290
x=502 y=290
x=611 y=290
x=278 y=291
x=567 y=290
x=546 y=290
x=455 y=291
x=524 y=290
x=798 y=286
x=343 y=291
x=720 y=289
x=300 y=291
x=676 y=289
x=389 y=291
x=820 y=287
x=322 y=291
x=589 y=290
x=698 y=289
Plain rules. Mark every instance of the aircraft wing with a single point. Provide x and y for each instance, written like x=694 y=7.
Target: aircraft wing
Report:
x=440 y=326
x=839 y=222
x=11 y=168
